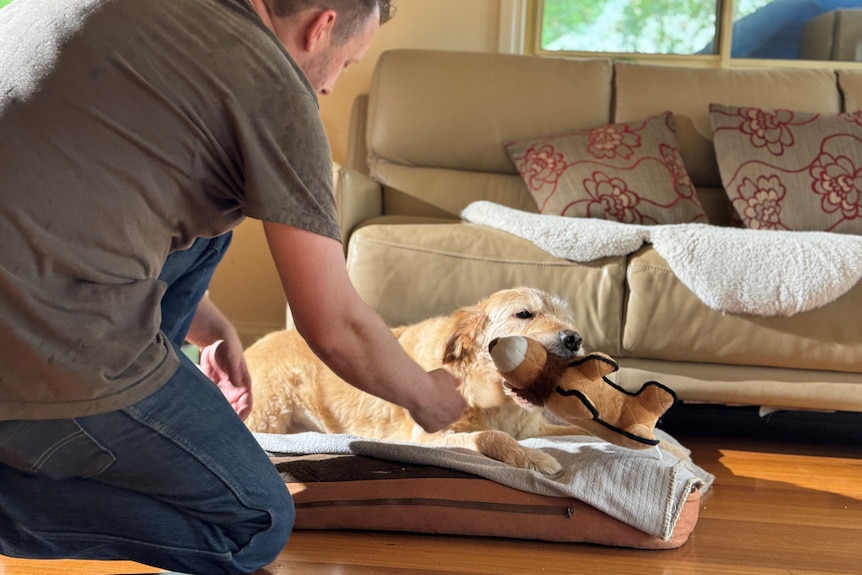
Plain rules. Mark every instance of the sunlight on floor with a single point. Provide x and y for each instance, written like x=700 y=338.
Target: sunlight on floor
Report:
x=33 y=567
x=817 y=473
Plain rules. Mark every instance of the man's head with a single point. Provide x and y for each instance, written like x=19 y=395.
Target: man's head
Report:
x=353 y=15
x=326 y=36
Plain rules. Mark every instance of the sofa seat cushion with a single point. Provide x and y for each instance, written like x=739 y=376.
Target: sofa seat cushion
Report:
x=666 y=321
x=747 y=385
x=411 y=271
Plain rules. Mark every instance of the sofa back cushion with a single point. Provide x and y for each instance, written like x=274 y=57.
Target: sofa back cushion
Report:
x=439 y=122
x=850 y=82
x=643 y=90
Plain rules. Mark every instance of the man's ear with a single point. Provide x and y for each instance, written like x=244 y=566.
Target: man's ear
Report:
x=318 y=33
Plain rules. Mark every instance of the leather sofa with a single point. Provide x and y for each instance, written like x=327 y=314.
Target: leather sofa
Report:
x=429 y=139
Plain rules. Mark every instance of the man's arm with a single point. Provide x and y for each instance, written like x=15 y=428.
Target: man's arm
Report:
x=349 y=336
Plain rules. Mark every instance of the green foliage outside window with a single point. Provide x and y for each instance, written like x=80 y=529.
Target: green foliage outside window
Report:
x=634 y=26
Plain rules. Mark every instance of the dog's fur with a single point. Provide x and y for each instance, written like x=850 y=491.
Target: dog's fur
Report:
x=294 y=391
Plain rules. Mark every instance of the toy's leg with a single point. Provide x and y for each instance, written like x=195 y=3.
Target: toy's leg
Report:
x=656 y=398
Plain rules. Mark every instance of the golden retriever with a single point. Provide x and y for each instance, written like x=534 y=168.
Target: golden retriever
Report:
x=294 y=391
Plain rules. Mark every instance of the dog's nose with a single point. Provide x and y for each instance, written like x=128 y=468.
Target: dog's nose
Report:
x=571 y=339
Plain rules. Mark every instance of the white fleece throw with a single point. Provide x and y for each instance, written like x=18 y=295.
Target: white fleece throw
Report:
x=641 y=488
x=757 y=272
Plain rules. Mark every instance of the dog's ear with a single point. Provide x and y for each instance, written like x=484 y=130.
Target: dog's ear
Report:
x=466 y=337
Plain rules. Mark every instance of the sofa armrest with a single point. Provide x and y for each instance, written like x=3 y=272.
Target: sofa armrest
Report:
x=358 y=198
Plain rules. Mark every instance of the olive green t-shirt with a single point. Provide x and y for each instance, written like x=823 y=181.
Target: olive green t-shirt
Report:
x=127 y=129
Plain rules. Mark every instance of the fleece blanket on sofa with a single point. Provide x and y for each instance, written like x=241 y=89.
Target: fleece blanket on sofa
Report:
x=757 y=272
x=646 y=489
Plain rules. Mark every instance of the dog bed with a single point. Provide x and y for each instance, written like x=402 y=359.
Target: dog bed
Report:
x=607 y=495
x=334 y=491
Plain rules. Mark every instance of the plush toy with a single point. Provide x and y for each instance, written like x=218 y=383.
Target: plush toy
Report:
x=577 y=391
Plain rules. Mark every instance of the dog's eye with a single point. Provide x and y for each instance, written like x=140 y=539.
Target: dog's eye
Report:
x=524 y=314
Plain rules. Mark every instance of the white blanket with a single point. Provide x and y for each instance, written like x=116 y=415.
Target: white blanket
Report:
x=644 y=488
x=765 y=273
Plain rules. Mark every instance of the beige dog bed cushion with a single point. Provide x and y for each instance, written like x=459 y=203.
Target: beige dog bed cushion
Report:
x=605 y=495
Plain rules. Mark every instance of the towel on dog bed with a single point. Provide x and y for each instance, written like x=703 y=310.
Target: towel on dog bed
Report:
x=605 y=494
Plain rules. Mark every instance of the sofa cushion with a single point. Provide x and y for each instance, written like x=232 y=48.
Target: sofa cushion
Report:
x=643 y=90
x=791 y=170
x=449 y=114
x=409 y=271
x=666 y=321
x=630 y=173
x=850 y=82
x=731 y=384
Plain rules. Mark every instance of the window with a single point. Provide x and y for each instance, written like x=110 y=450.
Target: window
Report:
x=709 y=30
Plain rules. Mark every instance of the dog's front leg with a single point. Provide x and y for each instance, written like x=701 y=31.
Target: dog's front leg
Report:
x=501 y=446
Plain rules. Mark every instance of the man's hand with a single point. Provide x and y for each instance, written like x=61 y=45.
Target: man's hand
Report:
x=221 y=355
x=224 y=363
x=444 y=405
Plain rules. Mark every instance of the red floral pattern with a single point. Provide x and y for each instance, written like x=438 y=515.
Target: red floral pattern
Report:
x=615 y=141
x=852 y=117
x=759 y=202
x=672 y=160
x=839 y=183
x=768 y=129
x=542 y=166
x=610 y=199
x=791 y=170
x=630 y=172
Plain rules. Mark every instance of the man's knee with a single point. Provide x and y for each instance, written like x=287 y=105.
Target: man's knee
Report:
x=265 y=546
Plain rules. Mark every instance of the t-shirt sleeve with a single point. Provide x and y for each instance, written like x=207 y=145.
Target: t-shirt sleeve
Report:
x=287 y=166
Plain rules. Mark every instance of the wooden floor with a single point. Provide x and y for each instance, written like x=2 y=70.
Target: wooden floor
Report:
x=780 y=505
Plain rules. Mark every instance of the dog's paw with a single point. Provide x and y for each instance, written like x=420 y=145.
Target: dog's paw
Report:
x=543 y=463
x=535 y=460
x=503 y=447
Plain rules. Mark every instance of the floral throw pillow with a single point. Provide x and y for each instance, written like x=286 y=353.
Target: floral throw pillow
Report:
x=786 y=170
x=631 y=173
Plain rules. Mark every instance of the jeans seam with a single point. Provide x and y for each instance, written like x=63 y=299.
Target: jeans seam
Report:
x=37 y=465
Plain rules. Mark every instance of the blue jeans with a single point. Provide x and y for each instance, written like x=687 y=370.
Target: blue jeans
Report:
x=175 y=481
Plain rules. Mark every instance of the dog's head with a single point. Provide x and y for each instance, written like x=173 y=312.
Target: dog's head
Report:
x=520 y=311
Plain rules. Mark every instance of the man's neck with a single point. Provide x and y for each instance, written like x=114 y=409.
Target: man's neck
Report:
x=262 y=10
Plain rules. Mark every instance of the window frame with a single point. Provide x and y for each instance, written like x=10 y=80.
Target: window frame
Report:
x=520 y=32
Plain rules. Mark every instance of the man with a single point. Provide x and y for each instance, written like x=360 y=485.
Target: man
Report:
x=129 y=130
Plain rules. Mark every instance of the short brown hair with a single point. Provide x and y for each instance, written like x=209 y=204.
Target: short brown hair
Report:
x=352 y=14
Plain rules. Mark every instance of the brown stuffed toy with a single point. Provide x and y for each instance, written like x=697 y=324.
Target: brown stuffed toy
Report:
x=577 y=391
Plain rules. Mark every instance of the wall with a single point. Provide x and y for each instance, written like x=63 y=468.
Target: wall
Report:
x=246 y=286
